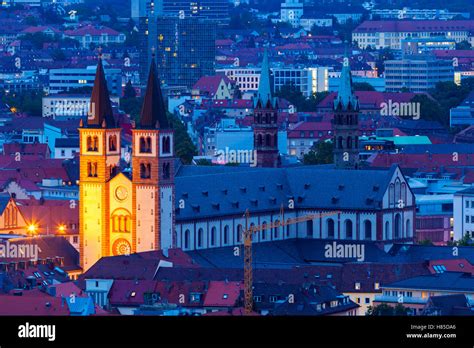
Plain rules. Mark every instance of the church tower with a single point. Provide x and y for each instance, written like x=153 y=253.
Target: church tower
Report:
x=346 y=122
x=99 y=139
x=265 y=128
x=153 y=172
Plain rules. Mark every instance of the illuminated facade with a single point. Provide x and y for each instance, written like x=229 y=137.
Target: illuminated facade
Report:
x=121 y=214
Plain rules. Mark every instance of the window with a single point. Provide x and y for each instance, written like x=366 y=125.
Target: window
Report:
x=330 y=228
x=377 y=286
x=367 y=300
x=145 y=170
x=166 y=170
x=309 y=229
x=367 y=229
x=113 y=143
x=213 y=236
x=357 y=286
x=200 y=237
x=226 y=234
x=166 y=144
x=187 y=237
x=239 y=233
x=348 y=228
x=145 y=144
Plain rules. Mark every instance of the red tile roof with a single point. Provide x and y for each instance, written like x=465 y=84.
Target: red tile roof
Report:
x=222 y=294
x=92 y=30
x=32 y=305
x=210 y=84
x=456 y=265
x=369 y=99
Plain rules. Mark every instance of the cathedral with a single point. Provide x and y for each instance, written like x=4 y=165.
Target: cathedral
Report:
x=121 y=213
x=163 y=204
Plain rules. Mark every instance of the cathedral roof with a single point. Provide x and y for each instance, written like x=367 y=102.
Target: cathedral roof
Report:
x=346 y=99
x=100 y=112
x=153 y=114
x=264 y=94
x=217 y=192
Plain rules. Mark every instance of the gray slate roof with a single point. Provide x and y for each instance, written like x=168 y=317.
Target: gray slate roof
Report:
x=215 y=191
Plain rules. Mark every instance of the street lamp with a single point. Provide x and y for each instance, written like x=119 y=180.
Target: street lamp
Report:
x=32 y=228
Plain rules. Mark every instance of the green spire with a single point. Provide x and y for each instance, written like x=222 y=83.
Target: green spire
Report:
x=346 y=100
x=264 y=94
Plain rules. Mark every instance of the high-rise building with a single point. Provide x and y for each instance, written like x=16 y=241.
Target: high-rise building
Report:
x=417 y=73
x=346 y=122
x=185 y=48
x=120 y=214
x=216 y=10
x=265 y=126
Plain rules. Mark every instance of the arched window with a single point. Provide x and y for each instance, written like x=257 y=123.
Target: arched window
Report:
x=391 y=194
x=226 y=235
x=239 y=233
x=408 y=228
x=95 y=143
x=113 y=143
x=213 y=236
x=404 y=194
x=397 y=191
x=89 y=143
x=200 y=237
x=166 y=144
x=268 y=140
x=7 y=217
x=309 y=228
x=339 y=143
x=121 y=221
x=397 y=226
x=275 y=139
x=264 y=231
x=330 y=227
x=187 y=237
x=259 y=140
x=348 y=228
x=288 y=227
x=349 y=142
x=166 y=171
x=148 y=144
x=145 y=170
x=276 y=229
x=367 y=229
x=142 y=145
x=387 y=231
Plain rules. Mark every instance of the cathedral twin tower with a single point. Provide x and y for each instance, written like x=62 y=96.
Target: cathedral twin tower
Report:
x=122 y=213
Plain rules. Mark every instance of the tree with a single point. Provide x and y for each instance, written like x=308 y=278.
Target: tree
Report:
x=321 y=153
x=363 y=86
x=386 y=310
x=183 y=145
x=463 y=45
x=425 y=242
x=464 y=241
x=295 y=97
x=129 y=91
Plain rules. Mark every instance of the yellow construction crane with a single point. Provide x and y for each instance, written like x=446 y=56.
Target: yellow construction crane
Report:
x=248 y=234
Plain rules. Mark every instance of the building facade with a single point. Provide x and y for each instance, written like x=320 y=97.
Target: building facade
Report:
x=121 y=214
x=186 y=48
x=417 y=73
